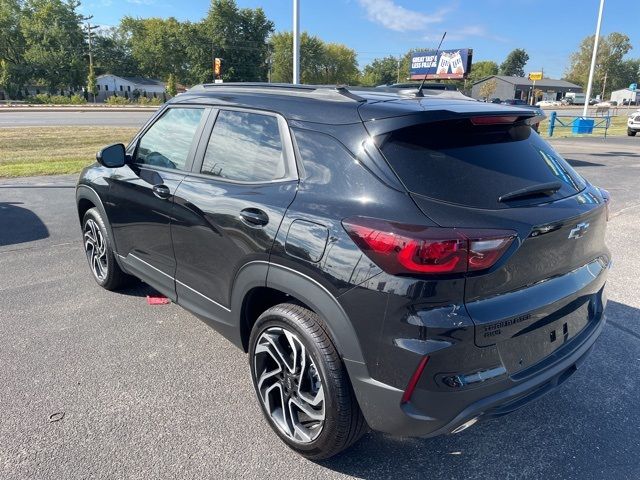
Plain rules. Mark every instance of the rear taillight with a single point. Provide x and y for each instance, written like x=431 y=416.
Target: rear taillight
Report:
x=403 y=249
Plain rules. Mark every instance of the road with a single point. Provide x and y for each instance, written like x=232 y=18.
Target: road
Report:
x=88 y=118
x=151 y=392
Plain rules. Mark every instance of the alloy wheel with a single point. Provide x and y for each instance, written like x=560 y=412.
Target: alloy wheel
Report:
x=96 y=249
x=289 y=384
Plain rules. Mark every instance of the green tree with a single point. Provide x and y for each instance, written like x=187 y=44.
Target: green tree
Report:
x=239 y=37
x=381 y=71
x=339 y=64
x=156 y=45
x=198 y=52
x=514 y=63
x=320 y=62
x=172 y=88
x=13 y=70
x=624 y=74
x=609 y=63
x=92 y=87
x=112 y=53
x=482 y=69
x=54 y=43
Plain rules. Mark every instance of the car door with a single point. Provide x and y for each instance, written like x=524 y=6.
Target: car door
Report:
x=228 y=211
x=141 y=194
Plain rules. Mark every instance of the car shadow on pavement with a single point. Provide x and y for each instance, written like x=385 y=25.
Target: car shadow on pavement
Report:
x=582 y=163
x=615 y=154
x=138 y=289
x=19 y=225
x=587 y=428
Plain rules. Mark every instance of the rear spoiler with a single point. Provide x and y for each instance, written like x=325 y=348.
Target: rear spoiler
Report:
x=518 y=115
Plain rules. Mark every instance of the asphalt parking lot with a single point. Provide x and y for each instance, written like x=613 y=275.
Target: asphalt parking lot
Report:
x=141 y=392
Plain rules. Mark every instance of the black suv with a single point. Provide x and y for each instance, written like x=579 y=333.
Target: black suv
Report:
x=411 y=263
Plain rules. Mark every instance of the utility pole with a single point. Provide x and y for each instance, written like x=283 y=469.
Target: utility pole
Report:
x=296 y=41
x=593 y=60
x=398 y=79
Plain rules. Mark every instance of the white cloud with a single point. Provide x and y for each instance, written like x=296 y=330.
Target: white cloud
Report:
x=396 y=17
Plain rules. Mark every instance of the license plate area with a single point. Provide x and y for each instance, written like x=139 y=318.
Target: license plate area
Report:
x=528 y=348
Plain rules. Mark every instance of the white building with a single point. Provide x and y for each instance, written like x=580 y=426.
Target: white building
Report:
x=127 y=86
x=625 y=94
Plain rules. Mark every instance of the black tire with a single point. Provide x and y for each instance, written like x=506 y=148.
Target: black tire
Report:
x=343 y=422
x=112 y=278
x=631 y=133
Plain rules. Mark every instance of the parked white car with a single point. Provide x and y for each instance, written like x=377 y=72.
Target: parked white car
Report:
x=548 y=103
x=633 y=124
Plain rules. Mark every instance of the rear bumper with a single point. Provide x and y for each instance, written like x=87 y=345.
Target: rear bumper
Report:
x=381 y=403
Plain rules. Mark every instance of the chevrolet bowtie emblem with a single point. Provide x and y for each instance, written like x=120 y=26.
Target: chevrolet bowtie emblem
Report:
x=579 y=230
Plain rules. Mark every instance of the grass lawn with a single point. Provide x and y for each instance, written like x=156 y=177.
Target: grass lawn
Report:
x=26 y=151
x=618 y=127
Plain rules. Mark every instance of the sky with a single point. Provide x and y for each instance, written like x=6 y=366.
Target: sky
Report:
x=549 y=30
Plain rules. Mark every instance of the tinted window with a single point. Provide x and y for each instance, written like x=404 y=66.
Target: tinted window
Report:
x=473 y=166
x=168 y=141
x=245 y=147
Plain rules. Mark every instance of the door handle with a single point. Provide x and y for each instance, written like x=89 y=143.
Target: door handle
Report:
x=254 y=217
x=161 y=191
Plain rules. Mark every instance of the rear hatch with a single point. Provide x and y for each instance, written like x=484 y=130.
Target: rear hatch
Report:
x=489 y=172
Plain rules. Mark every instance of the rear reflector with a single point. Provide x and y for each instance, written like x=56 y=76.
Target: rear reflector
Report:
x=494 y=120
x=406 y=249
x=413 y=381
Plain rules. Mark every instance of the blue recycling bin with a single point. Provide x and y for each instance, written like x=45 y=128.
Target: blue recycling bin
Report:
x=582 y=125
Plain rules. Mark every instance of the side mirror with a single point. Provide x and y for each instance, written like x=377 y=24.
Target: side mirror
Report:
x=113 y=156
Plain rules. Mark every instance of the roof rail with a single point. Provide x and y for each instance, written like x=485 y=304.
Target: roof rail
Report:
x=329 y=92
x=426 y=92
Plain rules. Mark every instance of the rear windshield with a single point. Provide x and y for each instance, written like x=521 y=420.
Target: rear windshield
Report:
x=469 y=165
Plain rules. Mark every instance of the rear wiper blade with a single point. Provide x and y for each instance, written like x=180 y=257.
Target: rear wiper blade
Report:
x=539 y=189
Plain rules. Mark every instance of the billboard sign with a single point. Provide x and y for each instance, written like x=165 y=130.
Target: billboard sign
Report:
x=441 y=65
x=533 y=76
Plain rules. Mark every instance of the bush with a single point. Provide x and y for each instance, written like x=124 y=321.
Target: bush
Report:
x=45 y=98
x=115 y=100
x=149 y=101
x=39 y=98
x=77 y=99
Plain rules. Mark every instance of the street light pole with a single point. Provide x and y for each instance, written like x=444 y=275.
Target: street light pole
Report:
x=593 y=60
x=296 y=41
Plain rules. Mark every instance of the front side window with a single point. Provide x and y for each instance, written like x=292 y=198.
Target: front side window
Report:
x=245 y=147
x=168 y=141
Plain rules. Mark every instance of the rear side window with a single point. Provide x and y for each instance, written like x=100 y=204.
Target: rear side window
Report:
x=168 y=141
x=245 y=147
x=469 y=165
